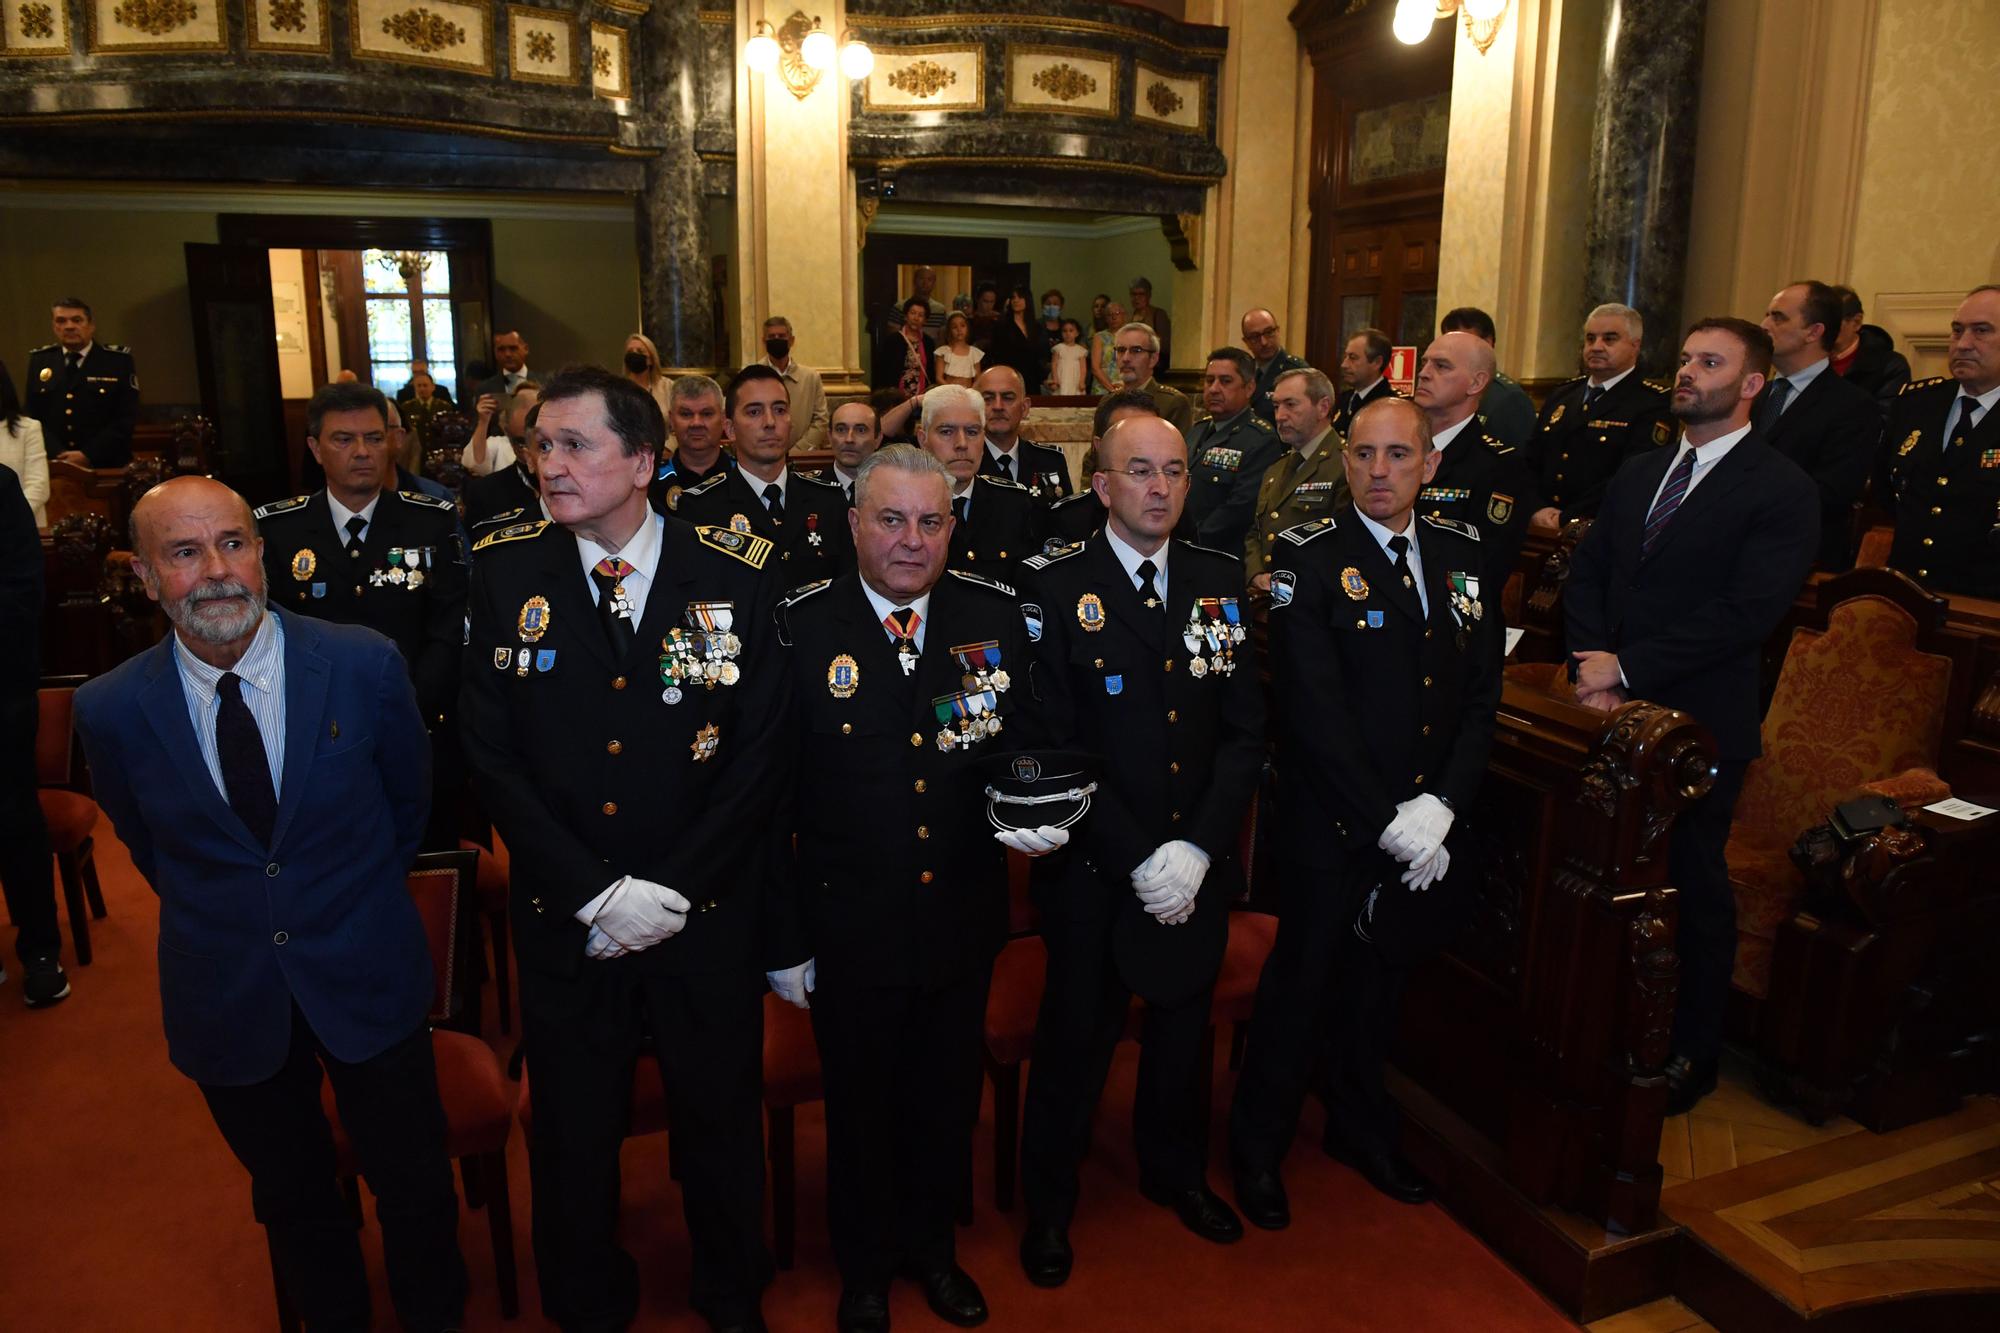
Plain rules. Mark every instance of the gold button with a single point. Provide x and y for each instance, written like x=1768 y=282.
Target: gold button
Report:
x=923 y=832
x=1170 y=664
x=1175 y=817
x=1174 y=767
x=920 y=786
x=1173 y=716
x=1936 y=511
x=1274 y=513
x=614 y=748
x=917 y=739
x=1929 y=541
x=1003 y=555
x=926 y=877
x=1427 y=633
x=1420 y=779
x=1944 y=481
x=1923 y=573
x=610 y=807
x=847 y=728
x=1098 y=663
x=617 y=682
x=1427 y=682
x=1427 y=729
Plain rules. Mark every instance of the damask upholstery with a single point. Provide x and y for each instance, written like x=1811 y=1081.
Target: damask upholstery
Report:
x=1857 y=708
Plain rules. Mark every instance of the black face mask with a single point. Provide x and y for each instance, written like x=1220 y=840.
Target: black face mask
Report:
x=638 y=362
x=777 y=347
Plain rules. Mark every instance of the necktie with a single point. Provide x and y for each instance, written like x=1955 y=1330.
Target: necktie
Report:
x=1591 y=394
x=1147 y=589
x=902 y=626
x=355 y=527
x=1400 y=545
x=246 y=770
x=1006 y=462
x=1670 y=500
x=613 y=610
x=1295 y=461
x=1781 y=392
x=961 y=507
x=1958 y=433
x=774 y=500
x=73 y=360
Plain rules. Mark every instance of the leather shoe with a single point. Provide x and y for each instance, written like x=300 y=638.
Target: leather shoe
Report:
x=1202 y=1211
x=954 y=1297
x=1688 y=1081
x=1045 y=1255
x=863 y=1312
x=1388 y=1171
x=1261 y=1196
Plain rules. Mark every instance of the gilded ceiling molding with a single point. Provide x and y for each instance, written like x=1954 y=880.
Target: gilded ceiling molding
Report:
x=34 y=28
x=1064 y=80
x=926 y=78
x=1086 y=164
x=961 y=24
x=152 y=27
x=293 y=26
x=440 y=34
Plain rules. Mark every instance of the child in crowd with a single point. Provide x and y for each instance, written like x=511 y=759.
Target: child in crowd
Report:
x=958 y=360
x=1069 y=362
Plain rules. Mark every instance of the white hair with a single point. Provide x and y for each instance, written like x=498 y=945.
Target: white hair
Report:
x=900 y=458
x=1635 y=327
x=945 y=396
x=1152 y=338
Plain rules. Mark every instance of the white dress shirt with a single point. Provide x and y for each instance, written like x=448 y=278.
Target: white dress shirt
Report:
x=1706 y=456
x=642 y=552
x=1984 y=403
x=341 y=513
x=262 y=670
x=781 y=481
x=1449 y=433
x=1414 y=555
x=1613 y=382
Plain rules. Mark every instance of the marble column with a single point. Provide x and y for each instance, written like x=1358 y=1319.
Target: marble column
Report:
x=1642 y=165
x=676 y=295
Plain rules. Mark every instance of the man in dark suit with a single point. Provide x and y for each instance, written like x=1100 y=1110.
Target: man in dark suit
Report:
x=905 y=910
x=1364 y=367
x=1943 y=446
x=25 y=874
x=1478 y=479
x=1865 y=355
x=1812 y=416
x=1228 y=453
x=1696 y=554
x=804 y=518
x=510 y=354
x=996 y=524
x=421 y=370
x=1142 y=660
x=1385 y=660
x=1043 y=470
x=643 y=828
x=269 y=774
x=84 y=392
x=1590 y=425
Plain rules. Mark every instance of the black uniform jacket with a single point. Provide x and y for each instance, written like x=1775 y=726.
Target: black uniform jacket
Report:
x=1039 y=467
x=1182 y=749
x=1226 y=461
x=813 y=543
x=1947 y=492
x=92 y=410
x=593 y=767
x=1005 y=527
x=507 y=494
x=1483 y=482
x=1832 y=430
x=1574 y=452
x=1351 y=404
x=899 y=879
x=408 y=583
x=1377 y=704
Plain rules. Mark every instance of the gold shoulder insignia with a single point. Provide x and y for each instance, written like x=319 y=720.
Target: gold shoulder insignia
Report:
x=45 y=347
x=119 y=348
x=1453 y=525
x=427 y=501
x=1659 y=386
x=1258 y=423
x=276 y=507
x=1498 y=446
x=519 y=532
x=984 y=582
x=748 y=547
x=1305 y=532
x=819 y=479
x=1921 y=384
x=1049 y=557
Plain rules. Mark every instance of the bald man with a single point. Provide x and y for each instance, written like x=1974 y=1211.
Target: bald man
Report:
x=1479 y=480
x=270 y=775
x=1260 y=335
x=1044 y=471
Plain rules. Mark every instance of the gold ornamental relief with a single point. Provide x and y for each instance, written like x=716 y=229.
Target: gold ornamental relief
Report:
x=541 y=47
x=288 y=15
x=1164 y=100
x=1064 y=82
x=38 y=21
x=600 y=60
x=155 y=17
x=421 y=30
x=924 y=78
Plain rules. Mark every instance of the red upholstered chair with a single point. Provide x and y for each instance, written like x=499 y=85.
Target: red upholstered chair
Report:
x=494 y=880
x=791 y=1079
x=1012 y=1005
x=71 y=815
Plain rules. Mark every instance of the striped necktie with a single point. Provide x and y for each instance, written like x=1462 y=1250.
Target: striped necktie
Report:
x=1670 y=499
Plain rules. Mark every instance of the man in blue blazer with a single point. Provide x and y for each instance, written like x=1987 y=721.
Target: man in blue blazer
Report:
x=1696 y=554
x=271 y=777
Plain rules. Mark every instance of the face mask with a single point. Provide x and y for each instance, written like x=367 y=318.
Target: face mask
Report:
x=777 y=347
x=637 y=362
x=1051 y=312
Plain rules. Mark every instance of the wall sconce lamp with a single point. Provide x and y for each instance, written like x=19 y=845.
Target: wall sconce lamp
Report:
x=800 y=51
x=1482 y=19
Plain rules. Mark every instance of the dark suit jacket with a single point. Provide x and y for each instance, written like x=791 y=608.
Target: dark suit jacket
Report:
x=21 y=578
x=1831 y=431
x=1689 y=620
x=1947 y=494
x=322 y=917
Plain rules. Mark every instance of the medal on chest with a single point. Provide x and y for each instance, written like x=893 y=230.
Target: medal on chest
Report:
x=1213 y=629
x=701 y=653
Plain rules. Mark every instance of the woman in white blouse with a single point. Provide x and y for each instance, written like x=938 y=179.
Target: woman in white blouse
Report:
x=22 y=449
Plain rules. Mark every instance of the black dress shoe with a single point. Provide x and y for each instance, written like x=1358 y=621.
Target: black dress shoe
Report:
x=1261 y=1196
x=863 y=1312
x=1201 y=1210
x=954 y=1297
x=1389 y=1172
x=1688 y=1081
x=1045 y=1255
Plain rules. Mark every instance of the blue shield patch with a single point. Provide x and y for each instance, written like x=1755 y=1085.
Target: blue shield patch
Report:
x=319 y=590
x=1114 y=684
x=1032 y=613
x=1374 y=620
x=545 y=659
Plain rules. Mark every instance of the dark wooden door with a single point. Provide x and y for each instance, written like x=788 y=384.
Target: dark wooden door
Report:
x=1385 y=277
x=236 y=358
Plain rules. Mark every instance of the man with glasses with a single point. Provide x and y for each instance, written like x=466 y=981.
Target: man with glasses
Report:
x=1136 y=348
x=1142 y=661
x=1260 y=335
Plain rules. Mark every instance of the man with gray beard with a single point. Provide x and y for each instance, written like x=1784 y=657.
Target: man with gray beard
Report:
x=271 y=776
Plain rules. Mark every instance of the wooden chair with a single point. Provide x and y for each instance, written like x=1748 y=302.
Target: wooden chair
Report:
x=791 y=1079
x=1012 y=1004
x=494 y=880
x=71 y=815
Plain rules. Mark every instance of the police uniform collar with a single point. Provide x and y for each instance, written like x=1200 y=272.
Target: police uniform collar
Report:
x=1613 y=382
x=82 y=353
x=882 y=606
x=1312 y=447
x=1129 y=558
x=845 y=479
x=1220 y=422
x=1985 y=400
x=642 y=552
x=1414 y=555
x=757 y=484
x=341 y=513
x=995 y=452
x=1442 y=438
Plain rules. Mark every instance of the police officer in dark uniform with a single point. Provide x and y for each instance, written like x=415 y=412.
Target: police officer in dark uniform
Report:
x=622 y=680
x=1590 y=425
x=804 y=518
x=1943 y=442
x=1227 y=454
x=1143 y=660
x=905 y=677
x=1043 y=470
x=1479 y=479
x=83 y=392
x=996 y=524
x=695 y=417
x=1385 y=656
x=1260 y=335
x=509 y=495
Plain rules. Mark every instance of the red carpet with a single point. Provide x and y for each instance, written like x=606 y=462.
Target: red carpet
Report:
x=120 y=1208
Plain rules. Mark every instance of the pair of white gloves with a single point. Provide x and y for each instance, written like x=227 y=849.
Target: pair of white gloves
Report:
x=1166 y=881
x=635 y=914
x=1416 y=838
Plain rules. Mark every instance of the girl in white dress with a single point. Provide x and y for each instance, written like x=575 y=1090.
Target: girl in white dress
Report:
x=1069 y=362
x=958 y=360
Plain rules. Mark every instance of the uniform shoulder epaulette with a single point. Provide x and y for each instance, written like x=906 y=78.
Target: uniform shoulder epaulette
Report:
x=1210 y=550
x=45 y=347
x=748 y=547
x=1575 y=380
x=984 y=582
x=428 y=501
x=1497 y=445
x=1659 y=386
x=1258 y=423
x=703 y=487
x=1922 y=384
x=119 y=348
x=1049 y=557
x=276 y=507
x=519 y=532
x=791 y=599
x=1305 y=532
x=1452 y=525
x=1002 y=481
x=499 y=519
x=819 y=479
x=1073 y=499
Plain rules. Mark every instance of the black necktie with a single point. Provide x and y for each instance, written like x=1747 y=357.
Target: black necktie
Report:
x=1401 y=546
x=774 y=500
x=1590 y=396
x=73 y=360
x=1006 y=462
x=1781 y=392
x=961 y=507
x=246 y=770
x=1148 y=590
x=1958 y=433
x=355 y=527
x=613 y=611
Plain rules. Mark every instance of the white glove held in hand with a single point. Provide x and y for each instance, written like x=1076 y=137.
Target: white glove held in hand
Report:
x=1428 y=871
x=793 y=984
x=640 y=913
x=1419 y=828
x=1170 y=878
x=1034 y=841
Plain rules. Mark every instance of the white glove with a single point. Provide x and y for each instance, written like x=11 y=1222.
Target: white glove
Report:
x=1428 y=871
x=1176 y=878
x=793 y=984
x=1419 y=828
x=1034 y=841
x=640 y=913
x=600 y=945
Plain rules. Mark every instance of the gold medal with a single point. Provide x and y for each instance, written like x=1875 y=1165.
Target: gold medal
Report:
x=739 y=523
x=705 y=742
x=534 y=619
x=673 y=498
x=1090 y=612
x=303 y=564
x=1909 y=443
x=1353 y=584
x=843 y=677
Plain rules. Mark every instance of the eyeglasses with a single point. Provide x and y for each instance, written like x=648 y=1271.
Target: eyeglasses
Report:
x=1175 y=473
